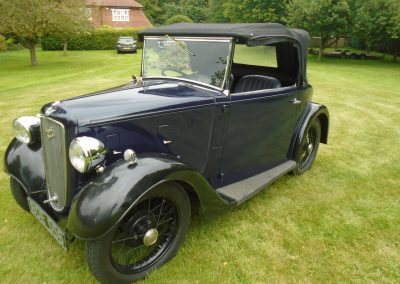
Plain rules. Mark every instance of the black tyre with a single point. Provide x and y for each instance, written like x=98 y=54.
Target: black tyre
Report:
x=148 y=236
x=19 y=194
x=306 y=151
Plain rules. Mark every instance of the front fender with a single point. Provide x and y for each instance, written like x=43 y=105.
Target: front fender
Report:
x=25 y=164
x=108 y=197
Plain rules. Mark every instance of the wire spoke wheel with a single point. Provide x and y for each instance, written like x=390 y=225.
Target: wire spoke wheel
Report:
x=307 y=149
x=148 y=236
x=144 y=235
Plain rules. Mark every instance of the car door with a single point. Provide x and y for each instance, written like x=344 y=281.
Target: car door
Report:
x=258 y=132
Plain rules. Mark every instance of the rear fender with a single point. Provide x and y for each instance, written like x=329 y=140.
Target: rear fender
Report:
x=311 y=111
x=109 y=196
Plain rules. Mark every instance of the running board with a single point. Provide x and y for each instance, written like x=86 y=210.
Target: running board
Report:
x=241 y=191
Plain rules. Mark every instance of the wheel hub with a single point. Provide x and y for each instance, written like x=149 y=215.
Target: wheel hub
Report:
x=150 y=238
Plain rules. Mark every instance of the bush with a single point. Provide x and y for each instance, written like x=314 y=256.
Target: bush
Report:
x=100 y=39
x=178 y=19
x=13 y=44
x=3 y=43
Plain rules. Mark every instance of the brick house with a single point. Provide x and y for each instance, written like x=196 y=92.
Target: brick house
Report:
x=116 y=13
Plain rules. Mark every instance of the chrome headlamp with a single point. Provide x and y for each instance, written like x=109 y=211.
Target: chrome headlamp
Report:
x=27 y=129
x=85 y=153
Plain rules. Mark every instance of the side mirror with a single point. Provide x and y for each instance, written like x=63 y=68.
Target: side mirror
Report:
x=136 y=80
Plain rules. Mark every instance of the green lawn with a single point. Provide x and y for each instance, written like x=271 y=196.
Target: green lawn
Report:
x=340 y=222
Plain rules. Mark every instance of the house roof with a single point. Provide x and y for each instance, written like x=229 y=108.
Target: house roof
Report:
x=114 y=3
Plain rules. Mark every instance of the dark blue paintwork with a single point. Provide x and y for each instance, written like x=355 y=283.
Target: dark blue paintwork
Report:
x=311 y=111
x=24 y=163
x=104 y=201
x=259 y=131
x=129 y=102
x=184 y=133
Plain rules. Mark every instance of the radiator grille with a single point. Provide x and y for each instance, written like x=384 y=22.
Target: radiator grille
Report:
x=54 y=154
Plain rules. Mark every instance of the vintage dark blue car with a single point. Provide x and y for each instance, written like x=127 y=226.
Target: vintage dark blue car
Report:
x=219 y=112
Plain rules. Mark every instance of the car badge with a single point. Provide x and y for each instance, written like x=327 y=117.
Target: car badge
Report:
x=50 y=132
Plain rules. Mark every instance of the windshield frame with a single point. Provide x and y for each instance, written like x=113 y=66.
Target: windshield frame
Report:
x=229 y=40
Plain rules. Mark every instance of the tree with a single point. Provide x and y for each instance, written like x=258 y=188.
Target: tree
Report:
x=328 y=19
x=215 y=12
x=160 y=11
x=393 y=28
x=178 y=19
x=153 y=10
x=254 y=11
x=69 y=20
x=29 y=26
x=377 y=23
x=31 y=20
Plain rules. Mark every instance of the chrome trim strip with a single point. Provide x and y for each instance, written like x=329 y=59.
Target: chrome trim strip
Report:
x=183 y=80
x=149 y=114
x=65 y=186
x=267 y=91
x=228 y=68
x=208 y=39
x=143 y=52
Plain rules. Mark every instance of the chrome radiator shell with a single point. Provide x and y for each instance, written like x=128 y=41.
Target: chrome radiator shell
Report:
x=55 y=158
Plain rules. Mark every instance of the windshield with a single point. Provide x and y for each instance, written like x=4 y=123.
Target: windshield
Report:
x=197 y=59
x=126 y=39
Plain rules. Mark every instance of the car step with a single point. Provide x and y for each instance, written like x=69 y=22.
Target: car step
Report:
x=241 y=191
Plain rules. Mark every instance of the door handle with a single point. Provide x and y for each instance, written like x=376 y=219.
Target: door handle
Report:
x=295 y=101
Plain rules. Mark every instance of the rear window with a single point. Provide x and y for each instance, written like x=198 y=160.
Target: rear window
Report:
x=126 y=39
x=256 y=56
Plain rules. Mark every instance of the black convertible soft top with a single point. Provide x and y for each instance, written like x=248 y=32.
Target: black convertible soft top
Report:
x=243 y=33
x=247 y=33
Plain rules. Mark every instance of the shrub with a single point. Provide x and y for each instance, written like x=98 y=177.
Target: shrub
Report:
x=13 y=44
x=178 y=19
x=51 y=43
x=100 y=39
x=3 y=43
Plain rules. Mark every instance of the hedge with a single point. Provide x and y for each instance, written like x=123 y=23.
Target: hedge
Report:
x=98 y=39
x=3 y=43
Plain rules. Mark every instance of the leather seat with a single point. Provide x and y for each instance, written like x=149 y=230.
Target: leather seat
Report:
x=256 y=82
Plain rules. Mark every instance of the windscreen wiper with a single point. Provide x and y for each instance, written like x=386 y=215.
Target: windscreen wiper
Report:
x=181 y=45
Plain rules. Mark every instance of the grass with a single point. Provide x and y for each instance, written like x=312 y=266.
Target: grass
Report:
x=338 y=222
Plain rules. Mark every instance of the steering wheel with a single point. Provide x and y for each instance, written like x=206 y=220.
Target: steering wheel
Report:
x=173 y=70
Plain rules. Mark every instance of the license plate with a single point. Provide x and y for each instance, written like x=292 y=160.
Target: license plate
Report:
x=127 y=48
x=55 y=230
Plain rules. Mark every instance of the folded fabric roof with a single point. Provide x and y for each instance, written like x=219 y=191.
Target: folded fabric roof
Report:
x=246 y=33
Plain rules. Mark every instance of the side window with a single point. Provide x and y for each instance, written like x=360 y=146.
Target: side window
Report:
x=256 y=56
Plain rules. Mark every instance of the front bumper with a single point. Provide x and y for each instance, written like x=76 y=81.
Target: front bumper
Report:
x=24 y=163
x=126 y=48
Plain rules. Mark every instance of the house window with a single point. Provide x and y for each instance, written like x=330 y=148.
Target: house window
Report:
x=120 y=15
x=88 y=13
